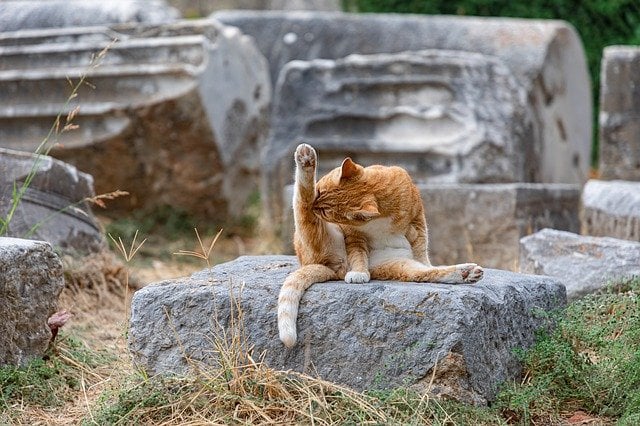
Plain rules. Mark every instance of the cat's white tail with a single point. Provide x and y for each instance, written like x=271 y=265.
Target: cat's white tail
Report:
x=290 y=294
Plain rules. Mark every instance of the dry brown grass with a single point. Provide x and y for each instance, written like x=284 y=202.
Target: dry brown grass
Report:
x=240 y=389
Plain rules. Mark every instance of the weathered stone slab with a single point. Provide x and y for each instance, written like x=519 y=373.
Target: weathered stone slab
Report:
x=28 y=14
x=611 y=209
x=52 y=208
x=177 y=115
x=374 y=335
x=620 y=113
x=483 y=223
x=584 y=264
x=534 y=71
x=30 y=282
x=546 y=58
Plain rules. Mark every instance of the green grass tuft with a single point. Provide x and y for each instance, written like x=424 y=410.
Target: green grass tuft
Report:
x=51 y=381
x=590 y=363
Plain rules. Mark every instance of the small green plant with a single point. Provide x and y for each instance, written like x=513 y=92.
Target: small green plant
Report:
x=52 y=380
x=590 y=363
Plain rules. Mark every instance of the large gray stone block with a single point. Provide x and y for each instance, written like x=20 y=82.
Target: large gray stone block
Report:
x=584 y=264
x=611 y=209
x=483 y=223
x=30 y=282
x=53 y=207
x=177 y=115
x=620 y=113
x=30 y=14
x=444 y=116
x=534 y=72
x=374 y=335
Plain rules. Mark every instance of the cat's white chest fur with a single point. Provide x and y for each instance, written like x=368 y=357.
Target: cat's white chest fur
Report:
x=385 y=242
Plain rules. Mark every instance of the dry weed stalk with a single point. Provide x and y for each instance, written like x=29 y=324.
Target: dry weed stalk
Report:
x=128 y=255
x=203 y=254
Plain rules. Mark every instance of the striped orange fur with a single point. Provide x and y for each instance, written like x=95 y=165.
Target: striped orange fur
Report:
x=357 y=223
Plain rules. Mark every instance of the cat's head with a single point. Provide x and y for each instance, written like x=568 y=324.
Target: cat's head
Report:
x=343 y=196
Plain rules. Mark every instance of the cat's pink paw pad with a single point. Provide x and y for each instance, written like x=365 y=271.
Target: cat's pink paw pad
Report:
x=305 y=155
x=355 y=277
x=471 y=272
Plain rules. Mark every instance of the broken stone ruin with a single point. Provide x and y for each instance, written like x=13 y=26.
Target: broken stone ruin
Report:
x=53 y=206
x=608 y=251
x=175 y=114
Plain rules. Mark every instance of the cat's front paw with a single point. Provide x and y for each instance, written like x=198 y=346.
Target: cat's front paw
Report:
x=306 y=156
x=355 y=277
x=470 y=272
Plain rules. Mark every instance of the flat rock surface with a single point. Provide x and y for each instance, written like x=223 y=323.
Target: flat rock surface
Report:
x=374 y=335
x=611 y=209
x=584 y=264
x=30 y=282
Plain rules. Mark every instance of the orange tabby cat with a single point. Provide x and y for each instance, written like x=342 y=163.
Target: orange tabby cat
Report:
x=357 y=224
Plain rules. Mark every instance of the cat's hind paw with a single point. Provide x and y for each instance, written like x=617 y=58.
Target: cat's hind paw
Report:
x=470 y=272
x=306 y=156
x=355 y=277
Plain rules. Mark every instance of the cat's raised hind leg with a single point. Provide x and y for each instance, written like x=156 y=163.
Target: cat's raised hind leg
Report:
x=409 y=270
x=305 y=184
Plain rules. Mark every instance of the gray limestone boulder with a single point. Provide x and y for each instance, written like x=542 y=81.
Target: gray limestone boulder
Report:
x=483 y=223
x=375 y=335
x=620 y=113
x=176 y=116
x=30 y=14
x=53 y=206
x=611 y=209
x=493 y=100
x=31 y=280
x=583 y=264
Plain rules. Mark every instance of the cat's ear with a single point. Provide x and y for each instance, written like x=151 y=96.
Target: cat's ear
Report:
x=369 y=210
x=349 y=169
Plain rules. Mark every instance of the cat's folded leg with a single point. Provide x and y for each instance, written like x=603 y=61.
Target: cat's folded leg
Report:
x=411 y=270
x=290 y=294
x=357 y=257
